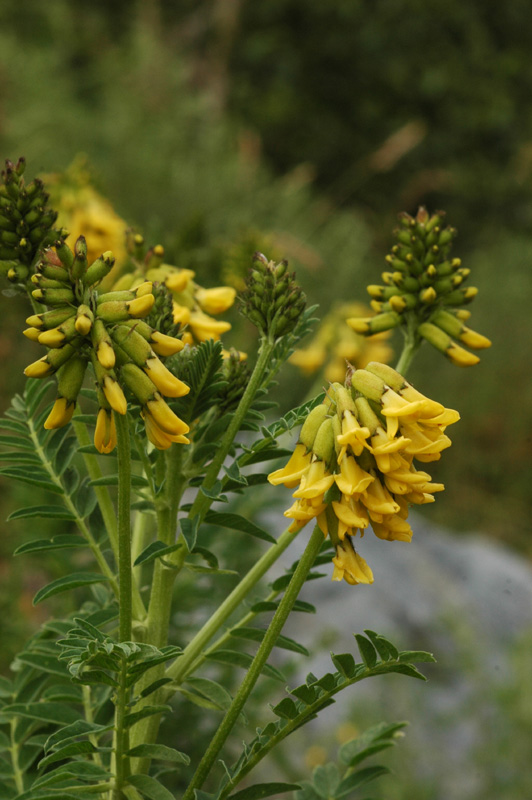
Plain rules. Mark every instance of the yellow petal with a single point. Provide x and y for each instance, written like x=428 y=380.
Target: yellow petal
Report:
x=297 y=465
x=315 y=481
x=165 y=417
x=114 y=395
x=164 y=380
x=352 y=478
x=105 y=431
x=60 y=415
x=217 y=300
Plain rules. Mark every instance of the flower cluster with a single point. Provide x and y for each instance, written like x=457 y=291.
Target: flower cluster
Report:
x=193 y=305
x=425 y=287
x=26 y=222
x=272 y=300
x=107 y=330
x=335 y=343
x=354 y=463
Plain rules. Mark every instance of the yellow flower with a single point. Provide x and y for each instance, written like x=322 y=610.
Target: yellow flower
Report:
x=216 y=300
x=61 y=414
x=291 y=473
x=105 y=432
x=160 y=438
x=350 y=566
x=204 y=327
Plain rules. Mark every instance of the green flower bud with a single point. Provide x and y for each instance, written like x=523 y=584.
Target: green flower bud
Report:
x=311 y=425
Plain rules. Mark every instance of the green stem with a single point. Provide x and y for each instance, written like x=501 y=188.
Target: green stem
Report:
x=267 y=644
x=106 y=508
x=14 y=749
x=159 y=609
x=124 y=527
x=102 y=492
x=121 y=734
x=181 y=668
x=411 y=345
x=121 y=739
x=202 y=503
x=89 y=716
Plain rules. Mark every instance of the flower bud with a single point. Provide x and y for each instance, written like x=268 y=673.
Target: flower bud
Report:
x=312 y=424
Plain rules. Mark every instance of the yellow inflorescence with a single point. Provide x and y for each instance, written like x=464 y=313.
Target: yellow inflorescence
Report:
x=354 y=463
x=335 y=343
x=106 y=330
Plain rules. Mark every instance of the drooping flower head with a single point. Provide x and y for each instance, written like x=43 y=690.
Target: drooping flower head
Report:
x=424 y=290
x=353 y=465
x=83 y=326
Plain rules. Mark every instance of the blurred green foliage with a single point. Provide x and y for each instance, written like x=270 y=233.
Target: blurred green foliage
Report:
x=212 y=124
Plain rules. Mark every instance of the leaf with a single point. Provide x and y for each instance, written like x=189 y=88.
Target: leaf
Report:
x=85 y=499
x=286 y=709
x=406 y=669
x=160 y=752
x=259 y=790
x=212 y=691
x=374 y=739
x=257 y=635
x=147 y=711
x=359 y=778
x=45 y=663
x=367 y=651
x=44 y=512
x=233 y=472
x=66 y=583
x=72 y=749
x=344 y=663
x=189 y=529
x=57 y=543
x=384 y=648
x=243 y=660
x=55 y=713
x=150 y=788
x=238 y=523
x=155 y=550
x=416 y=655
x=152 y=687
x=15 y=441
x=32 y=478
x=76 y=729
x=325 y=779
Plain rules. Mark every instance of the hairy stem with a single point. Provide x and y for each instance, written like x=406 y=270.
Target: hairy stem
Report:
x=121 y=742
x=202 y=503
x=181 y=668
x=411 y=345
x=266 y=646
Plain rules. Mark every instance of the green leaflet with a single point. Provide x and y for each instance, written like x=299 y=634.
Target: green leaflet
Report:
x=160 y=752
x=43 y=512
x=238 y=523
x=67 y=583
x=260 y=790
x=150 y=787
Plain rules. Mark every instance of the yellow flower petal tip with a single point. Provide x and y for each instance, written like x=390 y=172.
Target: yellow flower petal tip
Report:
x=475 y=340
x=140 y=306
x=105 y=432
x=358 y=324
x=164 y=380
x=32 y=334
x=460 y=357
x=106 y=355
x=60 y=415
x=114 y=395
x=165 y=345
x=39 y=369
x=52 y=338
x=217 y=300
x=165 y=418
